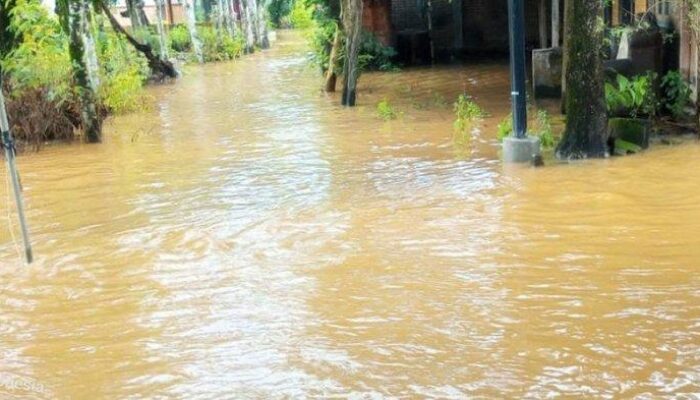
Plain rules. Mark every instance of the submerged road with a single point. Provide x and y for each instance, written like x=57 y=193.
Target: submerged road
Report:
x=248 y=238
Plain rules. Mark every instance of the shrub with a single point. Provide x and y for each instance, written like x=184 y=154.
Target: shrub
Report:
x=544 y=130
x=467 y=111
x=676 y=93
x=219 y=46
x=180 y=39
x=301 y=16
x=386 y=111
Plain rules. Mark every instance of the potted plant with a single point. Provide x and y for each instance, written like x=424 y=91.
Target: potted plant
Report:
x=631 y=105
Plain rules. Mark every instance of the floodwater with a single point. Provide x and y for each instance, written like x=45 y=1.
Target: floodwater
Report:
x=248 y=238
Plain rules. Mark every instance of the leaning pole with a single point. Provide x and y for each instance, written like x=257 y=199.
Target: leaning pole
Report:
x=519 y=147
x=8 y=145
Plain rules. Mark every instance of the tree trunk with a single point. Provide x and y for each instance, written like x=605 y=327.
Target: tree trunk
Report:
x=231 y=17
x=586 y=122
x=331 y=74
x=162 y=41
x=352 y=23
x=77 y=25
x=159 y=67
x=247 y=26
x=192 y=26
x=263 y=40
x=543 y=25
x=93 y=65
x=137 y=15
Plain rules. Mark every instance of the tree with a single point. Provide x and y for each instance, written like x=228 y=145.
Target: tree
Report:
x=162 y=41
x=159 y=67
x=192 y=26
x=586 y=120
x=352 y=23
x=73 y=15
x=690 y=9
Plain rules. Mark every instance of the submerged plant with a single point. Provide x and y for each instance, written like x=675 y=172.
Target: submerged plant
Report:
x=466 y=112
x=386 y=111
x=504 y=128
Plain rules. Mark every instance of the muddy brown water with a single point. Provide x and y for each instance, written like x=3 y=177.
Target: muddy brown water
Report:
x=248 y=238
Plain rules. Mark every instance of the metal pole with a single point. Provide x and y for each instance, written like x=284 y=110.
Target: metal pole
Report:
x=10 y=153
x=516 y=23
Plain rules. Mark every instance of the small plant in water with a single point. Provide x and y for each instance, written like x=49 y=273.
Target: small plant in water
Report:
x=386 y=111
x=504 y=128
x=467 y=112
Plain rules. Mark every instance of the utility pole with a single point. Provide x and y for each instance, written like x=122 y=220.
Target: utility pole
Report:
x=8 y=145
x=519 y=147
x=516 y=24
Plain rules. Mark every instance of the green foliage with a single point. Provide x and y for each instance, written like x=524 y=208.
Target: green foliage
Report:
x=219 y=46
x=375 y=56
x=180 y=39
x=634 y=96
x=544 y=130
x=676 y=94
x=41 y=59
x=386 y=111
x=504 y=128
x=467 y=112
x=123 y=73
x=302 y=15
x=279 y=10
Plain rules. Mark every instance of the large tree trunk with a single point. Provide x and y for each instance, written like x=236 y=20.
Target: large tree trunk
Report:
x=331 y=74
x=77 y=26
x=159 y=67
x=192 y=26
x=352 y=23
x=586 y=121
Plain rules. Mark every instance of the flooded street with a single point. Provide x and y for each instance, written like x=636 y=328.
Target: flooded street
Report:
x=249 y=238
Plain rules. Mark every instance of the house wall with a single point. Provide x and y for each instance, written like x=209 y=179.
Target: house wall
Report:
x=484 y=23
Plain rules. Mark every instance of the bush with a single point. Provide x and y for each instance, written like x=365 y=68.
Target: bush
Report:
x=386 y=111
x=676 y=94
x=504 y=128
x=466 y=111
x=301 y=16
x=219 y=47
x=180 y=39
x=375 y=56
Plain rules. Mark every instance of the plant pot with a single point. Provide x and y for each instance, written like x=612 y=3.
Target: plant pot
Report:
x=633 y=130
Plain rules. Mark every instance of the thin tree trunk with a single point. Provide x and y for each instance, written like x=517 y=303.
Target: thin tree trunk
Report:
x=93 y=65
x=352 y=22
x=586 y=120
x=247 y=26
x=162 y=42
x=159 y=67
x=231 y=17
x=331 y=74
x=77 y=25
x=542 y=13
x=263 y=40
x=192 y=26
x=253 y=14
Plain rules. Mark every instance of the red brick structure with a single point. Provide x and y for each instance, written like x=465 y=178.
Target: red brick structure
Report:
x=376 y=18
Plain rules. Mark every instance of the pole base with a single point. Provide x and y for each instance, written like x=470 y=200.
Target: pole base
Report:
x=520 y=150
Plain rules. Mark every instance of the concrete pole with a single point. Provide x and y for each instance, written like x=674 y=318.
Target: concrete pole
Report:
x=542 y=22
x=555 y=23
